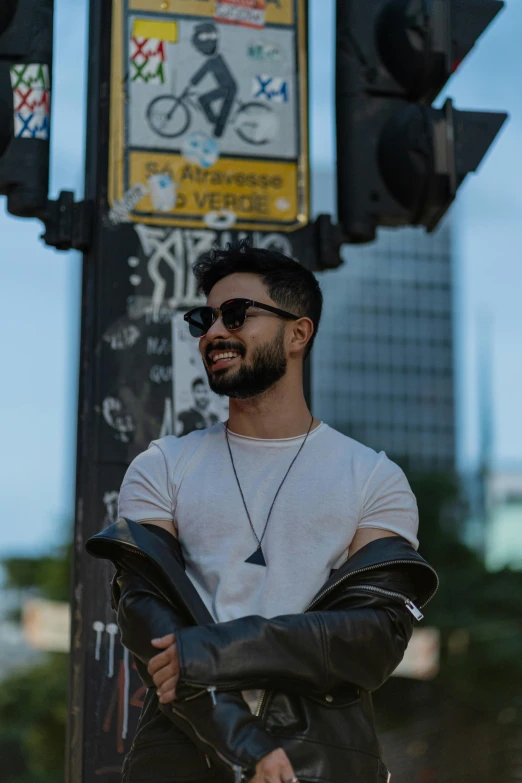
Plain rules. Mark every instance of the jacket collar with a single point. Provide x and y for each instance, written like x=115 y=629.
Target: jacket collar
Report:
x=381 y=553
x=135 y=538
x=377 y=554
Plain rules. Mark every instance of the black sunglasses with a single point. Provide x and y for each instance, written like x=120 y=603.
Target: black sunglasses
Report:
x=233 y=313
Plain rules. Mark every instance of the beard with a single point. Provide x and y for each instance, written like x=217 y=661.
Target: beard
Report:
x=268 y=365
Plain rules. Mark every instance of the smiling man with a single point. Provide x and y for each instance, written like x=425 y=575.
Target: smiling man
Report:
x=301 y=577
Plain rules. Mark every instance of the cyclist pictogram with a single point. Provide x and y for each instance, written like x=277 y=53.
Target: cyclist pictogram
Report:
x=170 y=116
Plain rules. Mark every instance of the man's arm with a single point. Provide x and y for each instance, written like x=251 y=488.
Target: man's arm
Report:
x=358 y=641
x=167 y=680
x=365 y=536
x=225 y=730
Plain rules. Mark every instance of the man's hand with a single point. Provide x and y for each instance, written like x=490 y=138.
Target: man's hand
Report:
x=274 y=768
x=164 y=668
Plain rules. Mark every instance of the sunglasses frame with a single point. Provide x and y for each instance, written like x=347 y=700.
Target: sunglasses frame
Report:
x=217 y=313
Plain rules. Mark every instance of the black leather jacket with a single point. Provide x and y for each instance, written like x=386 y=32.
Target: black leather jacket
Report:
x=318 y=668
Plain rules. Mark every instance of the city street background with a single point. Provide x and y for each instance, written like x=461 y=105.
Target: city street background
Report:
x=418 y=354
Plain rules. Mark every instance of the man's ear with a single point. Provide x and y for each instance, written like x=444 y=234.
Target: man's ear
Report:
x=302 y=331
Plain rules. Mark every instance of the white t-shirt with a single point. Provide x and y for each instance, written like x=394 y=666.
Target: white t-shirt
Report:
x=335 y=486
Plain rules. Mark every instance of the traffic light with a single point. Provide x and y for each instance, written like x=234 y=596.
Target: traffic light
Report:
x=399 y=160
x=26 y=45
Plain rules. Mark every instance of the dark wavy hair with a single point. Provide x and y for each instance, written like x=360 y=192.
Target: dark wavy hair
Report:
x=289 y=284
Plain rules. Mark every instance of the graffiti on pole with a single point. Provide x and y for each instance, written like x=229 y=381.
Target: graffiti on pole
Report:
x=125 y=690
x=162 y=267
x=209 y=114
x=155 y=383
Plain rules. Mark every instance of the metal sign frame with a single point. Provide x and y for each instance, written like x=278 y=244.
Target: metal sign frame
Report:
x=154 y=174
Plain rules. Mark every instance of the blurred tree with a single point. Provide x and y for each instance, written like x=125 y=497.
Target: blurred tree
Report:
x=49 y=574
x=33 y=717
x=463 y=724
x=33 y=703
x=477 y=611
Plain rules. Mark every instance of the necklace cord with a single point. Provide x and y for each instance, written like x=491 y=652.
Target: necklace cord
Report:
x=260 y=540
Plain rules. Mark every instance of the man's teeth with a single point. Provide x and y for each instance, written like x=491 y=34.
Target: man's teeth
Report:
x=227 y=355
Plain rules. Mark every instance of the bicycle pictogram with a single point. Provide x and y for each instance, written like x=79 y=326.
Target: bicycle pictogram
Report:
x=170 y=116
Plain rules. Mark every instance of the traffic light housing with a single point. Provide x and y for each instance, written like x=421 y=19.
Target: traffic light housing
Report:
x=400 y=161
x=26 y=47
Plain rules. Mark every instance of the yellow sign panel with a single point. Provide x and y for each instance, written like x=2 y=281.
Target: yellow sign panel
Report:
x=252 y=191
x=148 y=28
x=209 y=121
x=276 y=11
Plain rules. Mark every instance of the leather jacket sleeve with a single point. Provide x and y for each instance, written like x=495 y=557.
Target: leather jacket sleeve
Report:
x=358 y=639
x=226 y=731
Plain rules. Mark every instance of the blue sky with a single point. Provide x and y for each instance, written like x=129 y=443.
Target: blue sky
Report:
x=40 y=291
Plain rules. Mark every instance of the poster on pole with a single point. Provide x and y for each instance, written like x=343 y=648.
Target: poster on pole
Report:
x=209 y=125
x=195 y=406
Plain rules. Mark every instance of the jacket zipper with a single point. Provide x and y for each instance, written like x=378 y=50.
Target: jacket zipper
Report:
x=237 y=769
x=134 y=549
x=260 y=704
x=373 y=568
x=410 y=606
x=197 y=694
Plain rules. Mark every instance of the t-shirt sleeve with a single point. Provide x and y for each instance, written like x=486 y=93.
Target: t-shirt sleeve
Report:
x=145 y=491
x=388 y=502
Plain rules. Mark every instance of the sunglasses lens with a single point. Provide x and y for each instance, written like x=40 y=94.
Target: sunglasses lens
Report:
x=233 y=315
x=200 y=321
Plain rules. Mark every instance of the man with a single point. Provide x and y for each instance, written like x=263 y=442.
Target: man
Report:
x=198 y=417
x=299 y=541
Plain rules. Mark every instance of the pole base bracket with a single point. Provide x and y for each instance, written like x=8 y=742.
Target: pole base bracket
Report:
x=68 y=224
x=329 y=239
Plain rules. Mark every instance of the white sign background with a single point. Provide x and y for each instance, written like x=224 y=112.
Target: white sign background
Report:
x=253 y=58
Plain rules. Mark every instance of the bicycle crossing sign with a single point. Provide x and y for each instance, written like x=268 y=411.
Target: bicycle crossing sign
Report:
x=209 y=122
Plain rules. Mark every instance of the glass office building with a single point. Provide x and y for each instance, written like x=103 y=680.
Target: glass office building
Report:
x=383 y=359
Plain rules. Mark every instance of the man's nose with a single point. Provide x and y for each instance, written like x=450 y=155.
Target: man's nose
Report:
x=218 y=331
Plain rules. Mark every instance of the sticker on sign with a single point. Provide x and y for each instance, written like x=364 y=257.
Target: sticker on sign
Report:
x=32 y=101
x=273 y=89
x=250 y=13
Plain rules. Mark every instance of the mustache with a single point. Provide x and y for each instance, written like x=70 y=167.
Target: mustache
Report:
x=225 y=346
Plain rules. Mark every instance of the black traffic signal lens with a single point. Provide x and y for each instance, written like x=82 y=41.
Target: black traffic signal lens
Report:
x=7 y=10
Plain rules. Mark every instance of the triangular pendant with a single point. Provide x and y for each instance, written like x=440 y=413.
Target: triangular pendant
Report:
x=257 y=558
